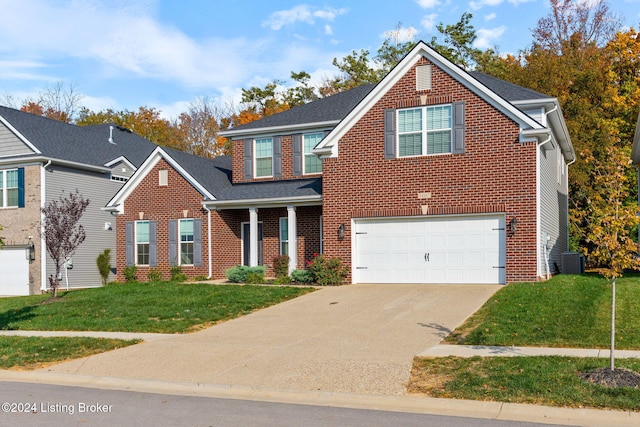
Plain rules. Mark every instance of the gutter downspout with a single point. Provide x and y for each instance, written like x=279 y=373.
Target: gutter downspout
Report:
x=43 y=245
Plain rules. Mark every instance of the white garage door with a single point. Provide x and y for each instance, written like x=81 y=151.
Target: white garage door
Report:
x=459 y=249
x=14 y=271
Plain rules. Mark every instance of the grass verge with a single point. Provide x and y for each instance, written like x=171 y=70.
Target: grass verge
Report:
x=566 y=311
x=551 y=381
x=37 y=352
x=164 y=307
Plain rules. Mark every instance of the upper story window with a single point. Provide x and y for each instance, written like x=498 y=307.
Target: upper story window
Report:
x=264 y=157
x=9 y=188
x=186 y=241
x=312 y=163
x=424 y=130
x=142 y=242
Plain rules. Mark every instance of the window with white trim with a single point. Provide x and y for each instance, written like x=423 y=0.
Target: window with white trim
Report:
x=312 y=163
x=263 y=157
x=424 y=130
x=9 y=188
x=185 y=229
x=284 y=236
x=321 y=239
x=142 y=242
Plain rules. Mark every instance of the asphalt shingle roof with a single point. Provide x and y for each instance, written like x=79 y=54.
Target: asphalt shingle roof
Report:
x=509 y=91
x=331 y=108
x=81 y=144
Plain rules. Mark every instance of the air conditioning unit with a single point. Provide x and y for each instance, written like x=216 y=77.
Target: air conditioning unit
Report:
x=572 y=263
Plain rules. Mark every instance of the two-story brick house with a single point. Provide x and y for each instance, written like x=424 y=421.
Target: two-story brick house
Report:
x=434 y=175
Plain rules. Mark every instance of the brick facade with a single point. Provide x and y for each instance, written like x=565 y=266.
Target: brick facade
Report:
x=496 y=173
x=150 y=201
x=18 y=227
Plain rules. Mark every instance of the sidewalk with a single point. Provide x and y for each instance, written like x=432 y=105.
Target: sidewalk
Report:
x=444 y=350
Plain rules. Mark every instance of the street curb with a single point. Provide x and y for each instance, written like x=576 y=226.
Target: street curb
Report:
x=408 y=403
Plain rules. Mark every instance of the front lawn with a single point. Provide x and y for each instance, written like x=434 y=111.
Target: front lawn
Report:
x=550 y=381
x=566 y=311
x=36 y=352
x=164 y=307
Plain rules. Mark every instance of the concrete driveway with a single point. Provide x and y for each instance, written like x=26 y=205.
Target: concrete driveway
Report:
x=347 y=339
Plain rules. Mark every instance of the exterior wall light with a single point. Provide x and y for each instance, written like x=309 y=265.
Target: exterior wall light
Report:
x=341 y=232
x=31 y=252
x=513 y=224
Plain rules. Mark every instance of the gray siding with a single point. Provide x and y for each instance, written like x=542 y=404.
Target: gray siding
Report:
x=122 y=169
x=553 y=207
x=99 y=189
x=10 y=144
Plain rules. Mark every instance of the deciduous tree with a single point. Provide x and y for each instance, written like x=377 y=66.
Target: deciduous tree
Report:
x=62 y=231
x=611 y=218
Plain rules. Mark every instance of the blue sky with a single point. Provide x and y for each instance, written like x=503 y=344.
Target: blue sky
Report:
x=123 y=54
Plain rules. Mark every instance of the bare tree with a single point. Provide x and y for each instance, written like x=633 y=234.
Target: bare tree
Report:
x=62 y=231
x=60 y=101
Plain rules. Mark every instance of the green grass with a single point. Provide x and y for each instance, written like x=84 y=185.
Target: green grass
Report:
x=551 y=381
x=140 y=307
x=36 y=352
x=566 y=311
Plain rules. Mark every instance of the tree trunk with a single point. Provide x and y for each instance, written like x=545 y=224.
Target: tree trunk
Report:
x=613 y=323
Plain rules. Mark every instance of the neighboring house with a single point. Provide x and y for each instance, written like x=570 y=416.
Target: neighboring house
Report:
x=434 y=175
x=42 y=160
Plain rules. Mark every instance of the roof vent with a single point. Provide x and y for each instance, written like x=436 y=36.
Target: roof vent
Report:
x=111 y=135
x=423 y=77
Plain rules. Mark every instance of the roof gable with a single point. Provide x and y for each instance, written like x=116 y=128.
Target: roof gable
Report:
x=207 y=176
x=329 y=146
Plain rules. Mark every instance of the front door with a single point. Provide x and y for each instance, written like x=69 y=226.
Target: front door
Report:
x=246 y=245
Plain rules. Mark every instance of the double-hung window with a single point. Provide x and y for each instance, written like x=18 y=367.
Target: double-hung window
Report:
x=264 y=157
x=312 y=163
x=284 y=236
x=424 y=130
x=142 y=242
x=9 y=188
x=186 y=241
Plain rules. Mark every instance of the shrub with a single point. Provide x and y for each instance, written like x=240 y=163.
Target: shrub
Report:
x=154 y=275
x=327 y=271
x=104 y=265
x=301 y=276
x=281 y=266
x=238 y=274
x=177 y=275
x=254 y=277
x=282 y=280
x=130 y=273
x=200 y=278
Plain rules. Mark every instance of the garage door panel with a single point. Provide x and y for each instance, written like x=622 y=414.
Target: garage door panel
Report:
x=430 y=250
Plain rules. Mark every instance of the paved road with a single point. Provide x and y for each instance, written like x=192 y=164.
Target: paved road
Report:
x=58 y=405
x=346 y=339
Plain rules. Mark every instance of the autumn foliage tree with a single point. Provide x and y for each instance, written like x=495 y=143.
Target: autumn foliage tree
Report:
x=62 y=231
x=611 y=218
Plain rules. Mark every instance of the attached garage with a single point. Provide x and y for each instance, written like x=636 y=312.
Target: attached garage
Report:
x=448 y=249
x=14 y=268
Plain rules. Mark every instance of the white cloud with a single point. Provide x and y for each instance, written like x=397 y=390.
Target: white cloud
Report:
x=328 y=30
x=490 y=17
x=475 y=5
x=429 y=21
x=487 y=37
x=428 y=4
x=301 y=13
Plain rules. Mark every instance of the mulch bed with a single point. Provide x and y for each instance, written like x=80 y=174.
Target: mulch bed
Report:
x=618 y=377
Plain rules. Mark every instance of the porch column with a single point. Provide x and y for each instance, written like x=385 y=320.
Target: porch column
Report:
x=293 y=241
x=253 y=237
